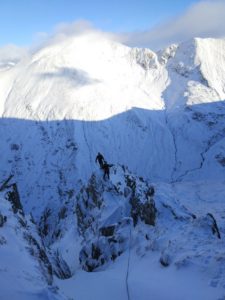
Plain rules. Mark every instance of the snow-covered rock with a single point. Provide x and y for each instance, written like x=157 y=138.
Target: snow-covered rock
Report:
x=26 y=271
x=160 y=115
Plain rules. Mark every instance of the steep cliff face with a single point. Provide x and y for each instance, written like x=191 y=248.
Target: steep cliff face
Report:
x=195 y=108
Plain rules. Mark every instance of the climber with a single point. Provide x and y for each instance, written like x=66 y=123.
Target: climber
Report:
x=105 y=168
x=100 y=160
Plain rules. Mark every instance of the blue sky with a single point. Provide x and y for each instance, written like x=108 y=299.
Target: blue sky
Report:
x=26 y=24
x=22 y=20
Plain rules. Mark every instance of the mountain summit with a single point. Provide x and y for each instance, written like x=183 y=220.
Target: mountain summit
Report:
x=159 y=120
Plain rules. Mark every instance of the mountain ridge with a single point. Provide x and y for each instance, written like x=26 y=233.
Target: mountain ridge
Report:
x=159 y=118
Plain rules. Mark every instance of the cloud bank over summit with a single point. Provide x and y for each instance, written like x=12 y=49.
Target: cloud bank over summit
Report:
x=65 y=30
x=60 y=33
x=11 y=54
x=203 y=19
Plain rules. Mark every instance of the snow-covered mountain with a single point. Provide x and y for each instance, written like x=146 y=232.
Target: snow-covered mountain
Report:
x=159 y=119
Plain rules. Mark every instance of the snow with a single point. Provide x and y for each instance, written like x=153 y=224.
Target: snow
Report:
x=211 y=58
x=110 y=285
x=146 y=280
x=159 y=114
x=21 y=276
x=196 y=269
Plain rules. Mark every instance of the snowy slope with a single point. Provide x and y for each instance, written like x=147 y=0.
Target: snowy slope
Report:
x=182 y=239
x=195 y=106
x=159 y=114
x=85 y=94
x=133 y=97
x=24 y=269
x=78 y=72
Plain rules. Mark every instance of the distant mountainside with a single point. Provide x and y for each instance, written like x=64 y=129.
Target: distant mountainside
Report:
x=159 y=118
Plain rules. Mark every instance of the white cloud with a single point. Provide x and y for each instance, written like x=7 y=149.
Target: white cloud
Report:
x=12 y=53
x=65 y=30
x=75 y=28
x=203 y=19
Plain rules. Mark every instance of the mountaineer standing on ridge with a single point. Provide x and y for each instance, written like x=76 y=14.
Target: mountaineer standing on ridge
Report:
x=100 y=159
x=105 y=168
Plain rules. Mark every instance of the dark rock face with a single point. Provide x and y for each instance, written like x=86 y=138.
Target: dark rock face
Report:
x=221 y=159
x=164 y=260
x=12 y=194
x=2 y=240
x=91 y=258
x=39 y=252
x=141 y=208
x=14 y=198
x=3 y=220
x=148 y=212
x=44 y=223
x=213 y=224
x=89 y=200
x=104 y=243
x=150 y=192
x=59 y=266
x=107 y=231
x=102 y=251
x=62 y=213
